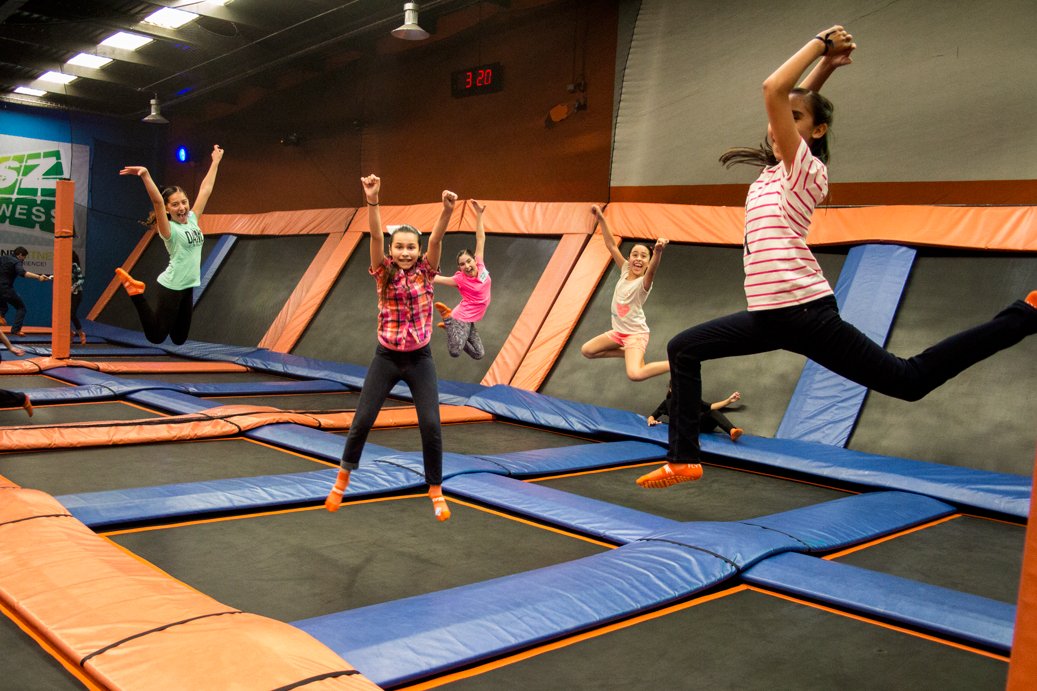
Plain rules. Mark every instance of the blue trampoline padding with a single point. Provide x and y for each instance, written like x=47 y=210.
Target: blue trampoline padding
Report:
x=963 y=487
x=546 y=411
x=600 y=519
x=171 y=401
x=262 y=388
x=213 y=262
x=403 y=640
x=574 y=458
x=163 y=502
x=70 y=394
x=979 y=620
x=824 y=407
x=855 y=519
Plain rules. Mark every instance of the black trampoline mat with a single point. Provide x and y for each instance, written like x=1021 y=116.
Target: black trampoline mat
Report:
x=300 y=564
x=59 y=413
x=345 y=400
x=749 y=640
x=968 y=554
x=474 y=438
x=209 y=377
x=28 y=665
x=721 y=495
x=69 y=471
x=21 y=382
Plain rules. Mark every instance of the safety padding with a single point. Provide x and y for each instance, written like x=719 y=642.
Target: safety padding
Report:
x=604 y=520
x=89 y=393
x=510 y=403
x=962 y=487
x=574 y=458
x=407 y=639
x=852 y=520
x=825 y=406
x=128 y=625
x=221 y=249
x=961 y=616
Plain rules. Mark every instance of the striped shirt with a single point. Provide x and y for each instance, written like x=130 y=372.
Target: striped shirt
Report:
x=780 y=270
x=405 y=316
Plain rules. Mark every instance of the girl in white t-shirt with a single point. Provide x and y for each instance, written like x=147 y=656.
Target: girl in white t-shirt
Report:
x=628 y=337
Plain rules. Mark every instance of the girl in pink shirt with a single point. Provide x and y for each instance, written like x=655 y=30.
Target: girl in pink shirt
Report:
x=404 y=331
x=628 y=337
x=472 y=280
x=790 y=304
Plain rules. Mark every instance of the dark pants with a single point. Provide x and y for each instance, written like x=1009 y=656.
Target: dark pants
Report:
x=710 y=420
x=463 y=336
x=12 y=399
x=171 y=316
x=9 y=298
x=77 y=300
x=417 y=369
x=817 y=331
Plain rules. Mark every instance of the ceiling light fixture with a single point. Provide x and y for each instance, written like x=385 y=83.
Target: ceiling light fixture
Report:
x=29 y=91
x=409 y=30
x=87 y=60
x=170 y=18
x=57 y=77
x=155 y=116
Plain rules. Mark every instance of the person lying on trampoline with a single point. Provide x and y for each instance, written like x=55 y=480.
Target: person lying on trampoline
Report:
x=14 y=399
x=790 y=303
x=628 y=337
x=177 y=223
x=710 y=415
x=405 y=289
x=472 y=280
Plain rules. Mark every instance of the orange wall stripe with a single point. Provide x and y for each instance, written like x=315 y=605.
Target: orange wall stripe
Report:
x=310 y=292
x=539 y=305
x=558 y=327
x=128 y=265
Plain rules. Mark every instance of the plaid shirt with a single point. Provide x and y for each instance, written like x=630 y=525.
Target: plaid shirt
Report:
x=405 y=316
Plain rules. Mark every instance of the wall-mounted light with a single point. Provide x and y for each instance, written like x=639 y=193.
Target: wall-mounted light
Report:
x=409 y=30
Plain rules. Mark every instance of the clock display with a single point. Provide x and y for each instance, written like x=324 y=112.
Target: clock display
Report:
x=472 y=81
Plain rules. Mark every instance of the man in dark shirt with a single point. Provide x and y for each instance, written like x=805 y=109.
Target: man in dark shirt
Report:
x=10 y=269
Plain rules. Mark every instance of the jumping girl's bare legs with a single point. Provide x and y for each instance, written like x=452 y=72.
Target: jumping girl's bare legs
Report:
x=637 y=370
x=601 y=346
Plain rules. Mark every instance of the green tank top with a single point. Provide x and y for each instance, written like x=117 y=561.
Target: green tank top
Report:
x=185 y=255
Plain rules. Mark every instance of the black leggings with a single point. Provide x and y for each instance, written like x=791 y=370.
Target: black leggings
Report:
x=171 y=316
x=816 y=330
x=418 y=370
x=77 y=300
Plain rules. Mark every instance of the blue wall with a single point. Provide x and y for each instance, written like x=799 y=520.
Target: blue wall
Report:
x=115 y=204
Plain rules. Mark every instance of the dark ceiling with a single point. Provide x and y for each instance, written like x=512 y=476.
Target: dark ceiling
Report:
x=213 y=58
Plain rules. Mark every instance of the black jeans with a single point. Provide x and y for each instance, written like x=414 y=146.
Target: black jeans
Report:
x=77 y=300
x=816 y=330
x=171 y=316
x=10 y=298
x=417 y=369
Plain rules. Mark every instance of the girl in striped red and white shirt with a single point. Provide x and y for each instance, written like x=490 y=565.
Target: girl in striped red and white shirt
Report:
x=790 y=303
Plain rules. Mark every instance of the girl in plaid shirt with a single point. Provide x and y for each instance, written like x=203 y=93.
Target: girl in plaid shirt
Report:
x=405 y=283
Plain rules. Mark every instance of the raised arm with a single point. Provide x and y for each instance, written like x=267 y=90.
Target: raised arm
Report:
x=435 y=238
x=653 y=265
x=824 y=69
x=444 y=281
x=480 y=230
x=208 y=182
x=161 y=218
x=779 y=84
x=736 y=396
x=372 y=191
x=606 y=234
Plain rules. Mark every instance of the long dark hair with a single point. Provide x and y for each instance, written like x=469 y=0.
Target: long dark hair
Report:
x=390 y=274
x=821 y=109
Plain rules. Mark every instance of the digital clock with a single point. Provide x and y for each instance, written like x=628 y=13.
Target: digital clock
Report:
x=484 y=79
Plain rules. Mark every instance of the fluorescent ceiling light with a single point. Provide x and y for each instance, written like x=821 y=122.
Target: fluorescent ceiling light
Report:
x=219 y=2
x=170 y=18
x=57 y=77
x=30 y=92
x=126 y=41
x=86 y=60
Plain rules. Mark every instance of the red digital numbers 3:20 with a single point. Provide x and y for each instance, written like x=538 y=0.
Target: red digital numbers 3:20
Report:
x=484 y=79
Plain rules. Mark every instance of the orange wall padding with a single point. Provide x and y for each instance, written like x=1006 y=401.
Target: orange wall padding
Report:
x=559 y=325
x=114 y=284
x=213 y=423
x=304 y=222
x=1022 y=669
x=130 y=626
x=310 y=292
x=41 y=364
x=981 y=228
